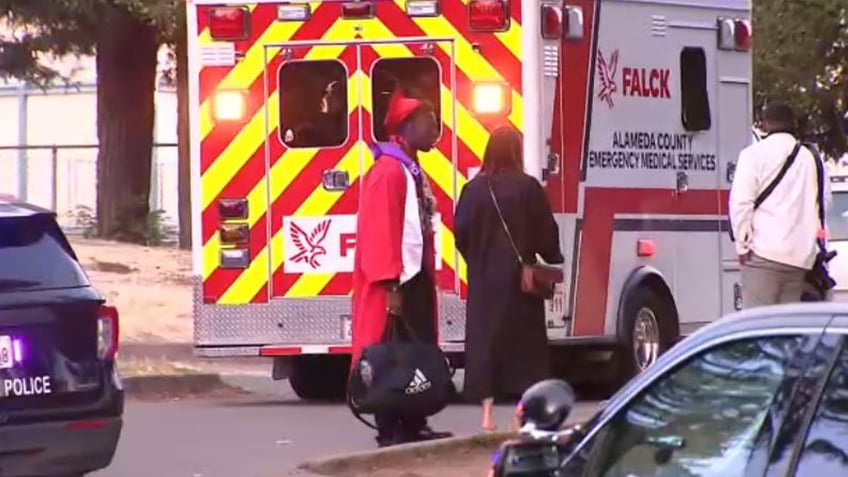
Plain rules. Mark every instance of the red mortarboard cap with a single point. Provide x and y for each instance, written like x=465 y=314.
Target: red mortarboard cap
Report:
x=400 y=108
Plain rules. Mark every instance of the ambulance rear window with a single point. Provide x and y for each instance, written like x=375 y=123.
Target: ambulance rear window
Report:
x=419 y=77
x=313 y=103
x=695 y=100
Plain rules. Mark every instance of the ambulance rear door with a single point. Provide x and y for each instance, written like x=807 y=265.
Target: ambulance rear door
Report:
x=313 y=163
x=423 y=69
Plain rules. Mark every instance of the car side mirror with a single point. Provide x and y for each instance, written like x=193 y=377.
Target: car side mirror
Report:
x=546 y=405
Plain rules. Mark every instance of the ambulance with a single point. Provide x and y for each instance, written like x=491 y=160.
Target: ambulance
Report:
x=632 y=114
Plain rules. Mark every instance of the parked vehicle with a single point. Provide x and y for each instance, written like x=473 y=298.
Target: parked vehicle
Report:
x=837 y=223
x=632 y=114
x=761 y=392
x=61 y=399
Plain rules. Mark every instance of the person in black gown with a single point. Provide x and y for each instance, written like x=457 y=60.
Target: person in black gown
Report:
x=505 y=335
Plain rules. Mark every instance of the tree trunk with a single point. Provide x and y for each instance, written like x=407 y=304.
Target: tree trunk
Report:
x=126 y=78
x=184 y=173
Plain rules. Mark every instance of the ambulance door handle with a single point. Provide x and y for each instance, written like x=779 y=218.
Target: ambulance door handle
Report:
x=731 y=170
x=682 y=182
x=553 y=164
x=335 y=180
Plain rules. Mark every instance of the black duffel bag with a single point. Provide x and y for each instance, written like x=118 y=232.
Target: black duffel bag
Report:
x=408 y=378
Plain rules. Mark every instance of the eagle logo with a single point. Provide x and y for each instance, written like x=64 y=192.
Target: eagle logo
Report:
x=309 y=245
x=606 y=77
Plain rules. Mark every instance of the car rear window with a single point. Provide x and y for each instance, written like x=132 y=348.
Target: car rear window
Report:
x=35 y=255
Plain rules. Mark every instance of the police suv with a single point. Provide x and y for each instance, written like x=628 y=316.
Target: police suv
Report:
x=61 y=400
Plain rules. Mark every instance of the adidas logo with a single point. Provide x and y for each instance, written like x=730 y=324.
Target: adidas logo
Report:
x=419 y=383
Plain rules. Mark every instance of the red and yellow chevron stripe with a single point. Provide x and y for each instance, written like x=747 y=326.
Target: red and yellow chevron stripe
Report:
x=233 y=157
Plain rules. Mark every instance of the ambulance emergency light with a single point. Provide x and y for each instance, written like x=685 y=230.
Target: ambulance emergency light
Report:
x=229 y=23
x=551 y=21
x=294 y=12
x=488 y=15
x=229 y=105
x=422 y=8
x=490 y=99
x=358 y=10
x=734 y=34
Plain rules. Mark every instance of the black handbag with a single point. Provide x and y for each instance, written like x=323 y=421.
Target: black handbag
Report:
x=408 y=378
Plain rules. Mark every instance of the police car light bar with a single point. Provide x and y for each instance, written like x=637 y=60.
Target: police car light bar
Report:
x=423 y=8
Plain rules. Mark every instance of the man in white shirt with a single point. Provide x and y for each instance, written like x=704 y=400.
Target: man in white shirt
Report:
x=776 y=241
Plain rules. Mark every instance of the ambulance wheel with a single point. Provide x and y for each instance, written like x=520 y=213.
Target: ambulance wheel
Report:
x=319 y=377
x=647 y=329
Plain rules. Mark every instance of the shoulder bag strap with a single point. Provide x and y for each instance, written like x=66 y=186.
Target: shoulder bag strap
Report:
x=503 y=222
x=819 y=194
x=770 y=188
x=358 y=416
x=774 y=182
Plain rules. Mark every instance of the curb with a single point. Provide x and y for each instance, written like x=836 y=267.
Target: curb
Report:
x=400 y=453
x=172 y=384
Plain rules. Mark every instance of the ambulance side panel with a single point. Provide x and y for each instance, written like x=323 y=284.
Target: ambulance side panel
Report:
x=652 y=170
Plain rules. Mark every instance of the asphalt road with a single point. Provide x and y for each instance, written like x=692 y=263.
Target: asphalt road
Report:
x=261 y=435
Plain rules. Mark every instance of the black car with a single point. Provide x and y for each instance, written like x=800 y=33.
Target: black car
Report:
x=763 y=392
x=61 y=400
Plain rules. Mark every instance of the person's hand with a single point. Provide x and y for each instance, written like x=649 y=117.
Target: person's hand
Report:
x=395 y=301
x=745 y=258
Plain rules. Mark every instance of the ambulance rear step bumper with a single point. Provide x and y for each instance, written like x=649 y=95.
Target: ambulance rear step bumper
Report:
x=279 y=351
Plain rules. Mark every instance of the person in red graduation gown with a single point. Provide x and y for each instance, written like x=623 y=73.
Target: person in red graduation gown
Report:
x=394 y=263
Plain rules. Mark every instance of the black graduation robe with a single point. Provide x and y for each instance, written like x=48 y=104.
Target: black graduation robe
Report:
x=505 y=335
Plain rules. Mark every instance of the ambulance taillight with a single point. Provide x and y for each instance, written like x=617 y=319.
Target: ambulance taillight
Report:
x=734 y=34
x=551 y=24
x=229 y=23
x=488 y=15
x=232 y=209
x=743 y=35
x=234 y=233
x=234 y=258
x=422 y=8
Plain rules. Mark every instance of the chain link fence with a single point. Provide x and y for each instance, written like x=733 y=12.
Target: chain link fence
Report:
x=63 y=178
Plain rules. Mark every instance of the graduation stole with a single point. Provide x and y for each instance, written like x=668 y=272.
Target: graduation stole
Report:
x=426 y=199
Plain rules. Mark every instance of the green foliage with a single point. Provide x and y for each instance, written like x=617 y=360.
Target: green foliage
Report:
x=85 y=220
x=800 y=53
x=39 y=29
x=154 y=231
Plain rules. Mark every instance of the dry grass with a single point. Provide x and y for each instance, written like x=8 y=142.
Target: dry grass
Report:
x=151 y=286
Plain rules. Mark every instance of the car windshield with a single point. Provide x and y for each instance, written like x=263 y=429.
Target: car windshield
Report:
x=837 y=216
